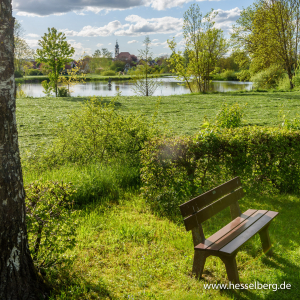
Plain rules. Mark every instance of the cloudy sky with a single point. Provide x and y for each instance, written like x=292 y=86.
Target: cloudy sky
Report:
x=95 y=24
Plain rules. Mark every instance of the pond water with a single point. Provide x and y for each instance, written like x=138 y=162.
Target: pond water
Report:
x=168 y=87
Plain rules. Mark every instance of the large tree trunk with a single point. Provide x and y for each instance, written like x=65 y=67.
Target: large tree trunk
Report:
x=18 y=278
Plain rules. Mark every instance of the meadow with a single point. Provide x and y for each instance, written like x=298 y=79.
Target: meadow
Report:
x=126 y=251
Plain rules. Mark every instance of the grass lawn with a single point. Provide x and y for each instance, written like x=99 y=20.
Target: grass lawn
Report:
x=183 y=113
x=124 y=251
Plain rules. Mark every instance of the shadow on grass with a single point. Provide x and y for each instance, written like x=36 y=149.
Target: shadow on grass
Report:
x=68 y=285
x=105 y=100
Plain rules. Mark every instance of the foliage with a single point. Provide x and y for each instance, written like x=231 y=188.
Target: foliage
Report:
x=177 y=169
x=63 y=92
x=269 y=32
x=109 y=73
x=230 y=116
x=48 y=87
x=50 y=222
x=227 y=75
x=18 y=74
x=144 y=85
x=268 y=78
x=20 y=93
x=98 y=132
x=243 y=75
x=72 y=79
x=118 y=66
x=33 y=72
x=204 y=44
x=55 y=52
x=22 y=51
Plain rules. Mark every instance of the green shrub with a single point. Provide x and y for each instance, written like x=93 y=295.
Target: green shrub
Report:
x=268 y=78
x=176 y=169
x=51 y=222
x=97 y=132
x=243 y=75
x=227 y=75
x=62 y=92
x=230 y=116
x=18 y=74
x=34 y=72
x=20 y=93
x=48 y=87
x=108 y=73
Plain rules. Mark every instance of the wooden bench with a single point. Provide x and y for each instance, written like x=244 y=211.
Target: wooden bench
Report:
x=226 y=242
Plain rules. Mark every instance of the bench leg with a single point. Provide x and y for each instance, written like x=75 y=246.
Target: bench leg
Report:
x=199 y=262
x=231 y=268
x=265 y=241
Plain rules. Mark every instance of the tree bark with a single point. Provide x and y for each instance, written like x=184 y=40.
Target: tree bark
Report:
x=18 y=278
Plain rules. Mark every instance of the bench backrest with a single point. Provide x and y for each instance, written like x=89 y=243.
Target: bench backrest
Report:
x=203 y=207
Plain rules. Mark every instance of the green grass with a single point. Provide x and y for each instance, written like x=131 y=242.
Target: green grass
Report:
x=125 y=251
x=184 y=114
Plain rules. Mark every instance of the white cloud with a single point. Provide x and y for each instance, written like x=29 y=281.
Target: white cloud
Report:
x=33 y=35
x=178 y=34
x=99 y=45
x=155 y=40
x=32 y=43
x=132 y=42
x=79 y=49
x=106 y=30
x=225 y=19
x=150 y=26
x=109 y=43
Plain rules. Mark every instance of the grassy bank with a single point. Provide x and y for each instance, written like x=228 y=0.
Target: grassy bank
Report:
x=88 y=77
x=184 y=114
x=125 y=251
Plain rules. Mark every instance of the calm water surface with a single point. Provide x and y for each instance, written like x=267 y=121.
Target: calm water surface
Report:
x=168 y=87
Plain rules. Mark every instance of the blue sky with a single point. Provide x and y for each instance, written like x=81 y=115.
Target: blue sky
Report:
x=95 y=24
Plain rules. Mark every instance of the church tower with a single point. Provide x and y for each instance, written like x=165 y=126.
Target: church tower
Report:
x=116 y=49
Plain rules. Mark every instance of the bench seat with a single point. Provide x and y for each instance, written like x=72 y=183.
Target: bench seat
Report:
x=226 y=242
x=231 y=237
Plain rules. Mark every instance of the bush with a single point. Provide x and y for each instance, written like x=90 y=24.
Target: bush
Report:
x=268 y=78
x=63 y=92
x=34 y=72
x=230 y=116
x=243 y=75
x=50 y=222
x=18 y=74
x=108 y=73
x=227 y=75
x=97 y=132
x=175 y=170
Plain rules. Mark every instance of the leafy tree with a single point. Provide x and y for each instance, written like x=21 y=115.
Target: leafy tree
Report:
x=204 y=45
x=18 y=277
x=22 y=50
x=72 y=78
x=145 y=85
x=269 y=31
x=56 y=52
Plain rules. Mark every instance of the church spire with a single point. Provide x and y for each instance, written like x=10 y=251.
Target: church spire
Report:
x=116 y=49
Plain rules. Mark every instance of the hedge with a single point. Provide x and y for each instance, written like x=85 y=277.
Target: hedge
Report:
x=176 y=169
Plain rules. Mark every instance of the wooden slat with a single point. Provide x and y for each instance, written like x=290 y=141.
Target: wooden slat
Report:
x=238 y=230
x=248 y=233
x=212 y=209
x=207 y=198
x=225 y=230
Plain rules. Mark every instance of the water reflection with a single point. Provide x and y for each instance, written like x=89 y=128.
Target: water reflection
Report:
x=168 y=87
